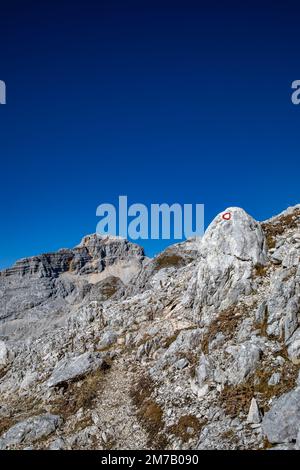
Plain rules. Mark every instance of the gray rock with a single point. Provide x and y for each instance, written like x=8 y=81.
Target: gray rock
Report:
x=254 y=414
x=261 y=313
x=291 y=258
x=57 y=444
x=203 y=371
x=4 y=354
x=30 y=430
x=246 y=359
x=294 y=347
x=108 y=338
x=29 y=379
x=105 y=289
x=291 y=319
x=69 y=369
x=283 y=447
x=281 y=423
x=274 y=379
x=283 y=303
x=297 y=445
x=181 y=363
x=229 y=251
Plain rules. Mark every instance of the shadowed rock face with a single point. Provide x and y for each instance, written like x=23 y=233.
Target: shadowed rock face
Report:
x=46 y=265
x=198 y=348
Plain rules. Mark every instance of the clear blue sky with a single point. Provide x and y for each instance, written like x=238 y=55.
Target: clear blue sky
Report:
x=169 y=101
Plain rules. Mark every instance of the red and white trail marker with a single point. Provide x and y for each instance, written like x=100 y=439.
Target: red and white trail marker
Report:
x=226 y=216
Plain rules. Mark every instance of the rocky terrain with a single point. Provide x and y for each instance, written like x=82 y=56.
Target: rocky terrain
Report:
x=198 y=348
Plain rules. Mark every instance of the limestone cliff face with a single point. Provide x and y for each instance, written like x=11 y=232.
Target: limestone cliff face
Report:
x=41 y=287
x=92 y=255
x=199 y=347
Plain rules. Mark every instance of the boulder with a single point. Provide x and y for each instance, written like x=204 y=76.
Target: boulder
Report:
x=281 y=423
x=229 y=252
x=30 y=430
x=69 y=369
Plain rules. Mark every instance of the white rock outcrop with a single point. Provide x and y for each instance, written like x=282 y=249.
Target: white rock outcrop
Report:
x=229 y=251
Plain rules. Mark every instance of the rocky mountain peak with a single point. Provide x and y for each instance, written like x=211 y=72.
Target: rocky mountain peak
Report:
x=197 y=348
x=35 y=289
x=110 y=249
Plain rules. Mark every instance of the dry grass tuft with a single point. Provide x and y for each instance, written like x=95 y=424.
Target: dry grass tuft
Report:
x=151 y=417
x=237 y=398
x=187 y=427
x=79 y=395
x=83 y=423
x=231 y=437
x=260 y=270
x=141 y=391
x=168 y=260
x=284 y=222
x=110 y=286
x=263 y=325
x=226 y=322
x=3 y=372
x=149 y=413
x=23 y=408
x=5 y=424
x=267 y=444
x=170 y=339
x=289 y=374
